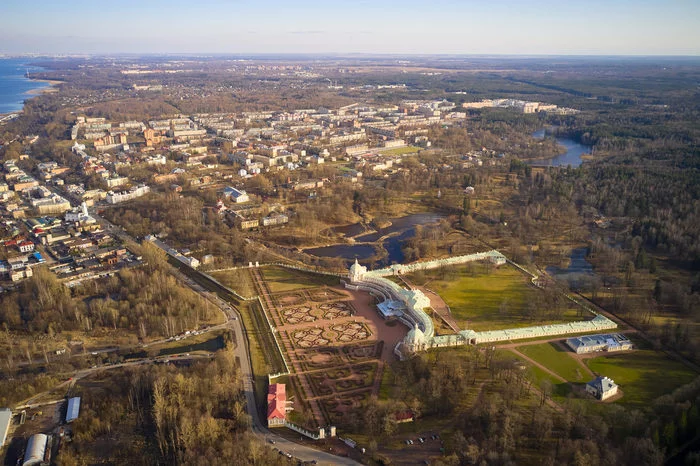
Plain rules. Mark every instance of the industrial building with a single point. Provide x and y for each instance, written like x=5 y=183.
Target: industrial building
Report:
x=5 y=421
x=605 y=342
x=73 y=409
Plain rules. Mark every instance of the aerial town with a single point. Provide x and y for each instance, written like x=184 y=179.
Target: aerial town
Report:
x=346 y=261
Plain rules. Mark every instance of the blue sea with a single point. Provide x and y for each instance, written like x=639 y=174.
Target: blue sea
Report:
x=14 y=84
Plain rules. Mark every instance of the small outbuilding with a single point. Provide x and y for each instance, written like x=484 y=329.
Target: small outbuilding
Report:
x=73 y=410
x=404 y=416
x=602 y=388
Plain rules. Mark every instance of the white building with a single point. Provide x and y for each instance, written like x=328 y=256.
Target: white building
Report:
x=237 y=195
x=605 y=342
x=133 y=193
x=79 y=215
x=115 y=181
x=602 y=388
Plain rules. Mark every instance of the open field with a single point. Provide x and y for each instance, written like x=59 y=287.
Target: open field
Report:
x=279 y=279
x=537 y=376
x=483 y=299
x=560 y=390
x=556 y=359
x=401 y=150
x=238 y=280
x=643 y=375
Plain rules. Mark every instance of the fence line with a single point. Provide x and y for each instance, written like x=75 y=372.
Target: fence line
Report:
x=280 y=264
x=273 y=330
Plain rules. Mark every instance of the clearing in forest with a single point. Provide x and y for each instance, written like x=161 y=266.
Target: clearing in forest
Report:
x=643 y=375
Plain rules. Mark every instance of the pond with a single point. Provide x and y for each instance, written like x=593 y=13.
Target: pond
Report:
x=571 y=157
x=402 y=228
x=578 y=272
x=346 y=251
x=350 y=230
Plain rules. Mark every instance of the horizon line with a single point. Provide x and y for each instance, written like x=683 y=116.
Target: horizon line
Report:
x=346 y=54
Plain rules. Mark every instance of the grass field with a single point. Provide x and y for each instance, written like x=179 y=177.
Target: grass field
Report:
x=239 y=280
x=264 y=357
x=482 y=300
x=560 y=390
x=400 y=150
x=280 y=279
x=643 y=375
x=556 y=360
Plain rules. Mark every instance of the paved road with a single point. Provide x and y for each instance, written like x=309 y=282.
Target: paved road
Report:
x=300 y=452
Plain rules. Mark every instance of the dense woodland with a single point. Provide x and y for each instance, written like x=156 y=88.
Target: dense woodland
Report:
x=504 y=419
x=167 y=415
x=148 y=302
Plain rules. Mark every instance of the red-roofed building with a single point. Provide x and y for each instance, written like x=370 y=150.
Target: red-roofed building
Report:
x=404 y=416
x=276 y=405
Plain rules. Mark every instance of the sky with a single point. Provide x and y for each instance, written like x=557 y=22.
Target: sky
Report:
x=511 y=27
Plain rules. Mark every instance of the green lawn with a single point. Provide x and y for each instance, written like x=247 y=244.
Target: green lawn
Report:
x=557 y=360
x=536 y=376
x=481 y=299
x=280 y=279
x=560 y=389
x=643 y=375
x=239 y=280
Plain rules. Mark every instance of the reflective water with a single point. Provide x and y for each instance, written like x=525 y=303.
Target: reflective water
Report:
x=404 y=226
x=572 y=157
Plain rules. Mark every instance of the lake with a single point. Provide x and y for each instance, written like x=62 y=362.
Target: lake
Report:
x=14 y=85
x=572 y=157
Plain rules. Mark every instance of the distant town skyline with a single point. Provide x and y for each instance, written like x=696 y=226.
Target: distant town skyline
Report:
x=511 y=27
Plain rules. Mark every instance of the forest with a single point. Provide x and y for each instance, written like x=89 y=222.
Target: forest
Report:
x=501 y=418
x=167 y=415
x=148 y=302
